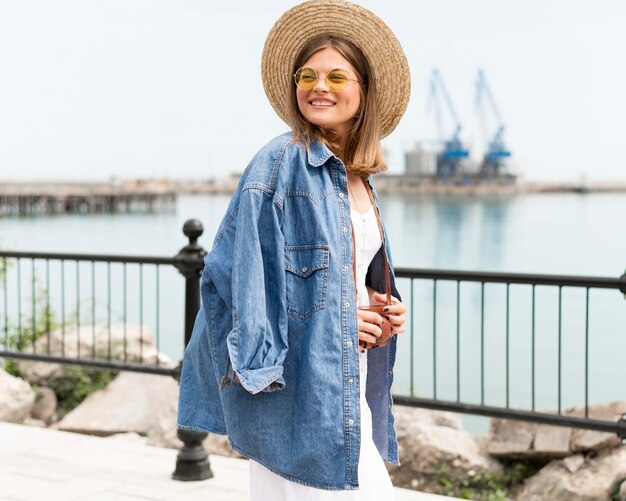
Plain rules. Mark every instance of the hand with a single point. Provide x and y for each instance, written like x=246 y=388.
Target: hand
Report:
x=369 y=330
x=396 y=312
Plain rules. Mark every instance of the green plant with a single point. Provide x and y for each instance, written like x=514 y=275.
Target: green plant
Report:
x=76 y=384
x=485 y=486
x=12 y=368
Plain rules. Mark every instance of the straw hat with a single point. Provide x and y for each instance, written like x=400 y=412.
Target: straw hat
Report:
x=390 y=69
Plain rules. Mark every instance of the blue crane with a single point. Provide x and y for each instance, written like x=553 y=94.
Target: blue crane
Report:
x=496 y=152
x=450 y=158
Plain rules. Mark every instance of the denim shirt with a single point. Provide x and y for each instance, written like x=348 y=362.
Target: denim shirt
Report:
x=273 y=360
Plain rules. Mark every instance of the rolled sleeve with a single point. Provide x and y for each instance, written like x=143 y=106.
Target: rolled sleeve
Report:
x=257 y=343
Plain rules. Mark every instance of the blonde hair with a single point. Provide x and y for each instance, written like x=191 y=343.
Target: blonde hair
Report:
x=363 y=154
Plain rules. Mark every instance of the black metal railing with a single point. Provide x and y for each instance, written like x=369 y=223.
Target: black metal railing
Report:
x=430 y=334
x=447 y=316
x=38 y=289
x=37 y=318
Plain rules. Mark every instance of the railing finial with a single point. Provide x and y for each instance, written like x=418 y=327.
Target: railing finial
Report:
x=193 y=229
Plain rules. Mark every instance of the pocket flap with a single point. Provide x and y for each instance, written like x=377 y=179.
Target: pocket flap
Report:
x=302 y=260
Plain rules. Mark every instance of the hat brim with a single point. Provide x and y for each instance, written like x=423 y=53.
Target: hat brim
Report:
x=390 y=68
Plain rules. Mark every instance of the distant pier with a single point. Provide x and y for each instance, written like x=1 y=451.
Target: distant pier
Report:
x=37 y=199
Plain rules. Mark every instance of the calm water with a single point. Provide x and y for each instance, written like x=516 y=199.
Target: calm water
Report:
x=560 y=234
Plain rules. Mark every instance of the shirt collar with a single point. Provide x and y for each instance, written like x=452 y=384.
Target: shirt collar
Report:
x=318 y=153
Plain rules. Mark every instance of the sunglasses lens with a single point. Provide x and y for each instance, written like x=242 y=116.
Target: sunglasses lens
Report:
x=306 y=78
x=337 y=80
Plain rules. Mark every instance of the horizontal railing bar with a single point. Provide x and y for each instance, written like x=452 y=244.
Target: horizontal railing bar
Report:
x=514 y=278
x=617 y=427
x=89 y=257
x=95 y=363
x=419 y=273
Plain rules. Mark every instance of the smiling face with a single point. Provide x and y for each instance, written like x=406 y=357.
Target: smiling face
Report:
x=321 y=106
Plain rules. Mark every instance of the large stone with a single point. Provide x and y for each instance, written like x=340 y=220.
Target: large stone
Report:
x=45 y=405
x=136 y=404
x=552 y=441
x=132 y=402
x=16 y=398
x=426 y=447
x=510 y=439
x=595 y=480
x=130 y=342
x=588 y=440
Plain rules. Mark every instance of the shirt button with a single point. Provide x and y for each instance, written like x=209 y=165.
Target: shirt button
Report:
x=350 y=381
x=347 y=304
x=391 y=373
x=345 y=229
x=350 y=422
x=304 y=269
x=340 y=195
x=349 y=343
x=345 y=268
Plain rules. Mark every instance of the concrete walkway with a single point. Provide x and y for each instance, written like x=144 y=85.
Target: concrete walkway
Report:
x=41 y=464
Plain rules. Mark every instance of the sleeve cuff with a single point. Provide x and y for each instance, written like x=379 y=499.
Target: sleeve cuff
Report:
x=266 y=379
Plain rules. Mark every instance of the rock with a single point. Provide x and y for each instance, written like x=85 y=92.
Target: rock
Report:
x=16 y=398
x=45 y=405
x=426 y=448
x=131 y=342
x=552 y=441
x=137 y=405
x=510 y=439
x=427 y=416
x=132 y=402
x=595 y=480
x=588 y=440
x=573 y=463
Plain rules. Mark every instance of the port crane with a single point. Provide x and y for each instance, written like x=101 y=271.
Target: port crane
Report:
x=450 y=158
x=496 y=152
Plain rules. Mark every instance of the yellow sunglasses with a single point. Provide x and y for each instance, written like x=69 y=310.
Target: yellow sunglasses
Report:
x=336 y=80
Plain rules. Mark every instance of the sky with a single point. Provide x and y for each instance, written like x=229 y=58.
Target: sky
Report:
x=94 y=90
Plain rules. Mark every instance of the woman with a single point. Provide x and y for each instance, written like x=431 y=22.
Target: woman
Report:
x=277 y=359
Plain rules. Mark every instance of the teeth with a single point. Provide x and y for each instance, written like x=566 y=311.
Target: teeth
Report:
x=322 y=103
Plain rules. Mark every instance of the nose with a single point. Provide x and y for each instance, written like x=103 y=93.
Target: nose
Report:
x=321 y=85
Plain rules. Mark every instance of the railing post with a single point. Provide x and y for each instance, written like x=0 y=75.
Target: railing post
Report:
x=192 y=462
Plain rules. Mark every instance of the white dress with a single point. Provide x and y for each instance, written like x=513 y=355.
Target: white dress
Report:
x=374 y=482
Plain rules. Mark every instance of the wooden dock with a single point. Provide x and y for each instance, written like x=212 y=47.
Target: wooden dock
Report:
x=37 y=199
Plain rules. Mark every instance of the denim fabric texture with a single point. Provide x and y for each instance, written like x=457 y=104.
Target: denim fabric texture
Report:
x=273 y=360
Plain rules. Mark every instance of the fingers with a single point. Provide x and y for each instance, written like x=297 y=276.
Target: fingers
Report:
x=396 y=312
x=368 y=338
x=369 y=316
x=369 y=326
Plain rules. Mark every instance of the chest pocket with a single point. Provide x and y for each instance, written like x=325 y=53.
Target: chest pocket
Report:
x=307 y=279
